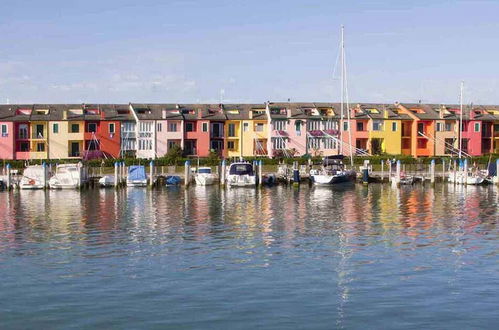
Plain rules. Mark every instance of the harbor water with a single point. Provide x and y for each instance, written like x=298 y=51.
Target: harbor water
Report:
x=351 y=257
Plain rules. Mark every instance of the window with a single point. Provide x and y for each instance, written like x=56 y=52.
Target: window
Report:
x=278 y=143
x=464 y=127
x=377 y=125
x=5 y=132
x=394 y=126
x=245 y=127
x=74 y=128
x=345 y=125
x=329 y=143
x=39 y=132
x=449 y=143
x=313 y=125
x=92 y=128
x=55 y=128
x=232 y=130
x=172 y=143
x=496 y=127
x=172 y=127
x=40 y=147
x=205 y=127
x=298 y=128
x=112 y=128
x=360 y=126
x=279 y=125
x=217 y=145
x=159 y=127
x=314 y=143
x=217 y=130
x=422 y=143
x=448 y=127
x=464 y=145
x=477 y=127
x=259 y=127
x=231 y=145
x=23 y=131
x=439 y=127
x=24 y=146
x=189 y=127
x=420 y=129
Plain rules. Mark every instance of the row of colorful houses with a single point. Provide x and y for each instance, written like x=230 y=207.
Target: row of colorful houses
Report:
x=149 y=131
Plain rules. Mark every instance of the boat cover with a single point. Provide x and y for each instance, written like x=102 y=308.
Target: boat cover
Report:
x=137 y=173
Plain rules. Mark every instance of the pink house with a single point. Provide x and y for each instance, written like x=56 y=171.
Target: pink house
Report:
x=169 y=128
x=476 y=131
x=6 y=136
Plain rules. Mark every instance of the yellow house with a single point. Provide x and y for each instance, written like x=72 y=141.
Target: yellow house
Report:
x=255 y=133
x=67 y=134
x=39 y=132
x=233 y=131
x=385 y=129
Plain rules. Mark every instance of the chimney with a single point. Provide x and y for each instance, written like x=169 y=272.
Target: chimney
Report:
x=199 y=113
x=65 y=114
x=250 y=115
x=163 y=114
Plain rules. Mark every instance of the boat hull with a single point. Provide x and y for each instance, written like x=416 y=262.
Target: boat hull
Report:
x=204 y=180
x=320 y=179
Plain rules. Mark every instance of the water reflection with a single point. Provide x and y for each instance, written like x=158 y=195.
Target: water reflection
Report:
x=320 y=249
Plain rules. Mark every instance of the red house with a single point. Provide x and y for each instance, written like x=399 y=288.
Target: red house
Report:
x=196 y=130
x=102 y=131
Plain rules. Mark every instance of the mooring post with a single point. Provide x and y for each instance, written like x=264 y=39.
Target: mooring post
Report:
x=465 y=176
x=432 y=171
x=382 y=171
x=9 y=179
x=222 y=172
x=151 y=173
x=390 y=172
x=44 y=167
x=296 y=173
x=187 y=173
x=443 y=169
x=454 y=174
x=260 y=171
x=398 y=173
x=116 y=179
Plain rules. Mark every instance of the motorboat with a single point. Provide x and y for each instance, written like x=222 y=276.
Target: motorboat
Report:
x=107 y=181
x=69 y=176
x=136 y=176
x=241 y=174
x=461 y=177
x=332 y=172
x=34 y=177
x=204 y=176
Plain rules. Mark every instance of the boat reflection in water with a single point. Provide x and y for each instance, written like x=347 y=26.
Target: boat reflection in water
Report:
x=319 y=255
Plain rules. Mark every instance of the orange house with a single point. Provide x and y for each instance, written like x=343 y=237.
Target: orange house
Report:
x=421 y=128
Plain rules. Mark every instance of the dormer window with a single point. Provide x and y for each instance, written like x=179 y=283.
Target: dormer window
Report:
x=92 y=111
x=233 y=112
x=25 y=112
x=42 y=111
x=75 y=112
x=123 y=111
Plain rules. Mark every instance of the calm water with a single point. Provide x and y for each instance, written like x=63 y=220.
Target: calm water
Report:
x=276 y=258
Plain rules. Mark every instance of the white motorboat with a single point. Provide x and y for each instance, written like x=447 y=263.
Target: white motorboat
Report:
x=461 y=177
x=107 y=181
x=204 y=176
x=333 y=171
x=69 y=176
x=34 y=177
x=136 y=176
x=241 y=174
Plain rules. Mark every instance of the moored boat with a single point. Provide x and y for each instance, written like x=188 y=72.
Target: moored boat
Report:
x=34 y=177
x=204 y=176
x=69 y=176
x=136 y=176
x=332 y=172
x=107 y=181
x=241 y=174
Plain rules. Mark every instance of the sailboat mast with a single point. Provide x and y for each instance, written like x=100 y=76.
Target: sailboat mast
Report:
x=342 y=45
x=460 y=135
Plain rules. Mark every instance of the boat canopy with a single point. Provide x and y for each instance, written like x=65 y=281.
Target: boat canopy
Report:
x=241 y=169
x=137 y=172
x=204 y=170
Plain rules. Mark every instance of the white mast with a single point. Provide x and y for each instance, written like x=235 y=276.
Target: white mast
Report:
x=342 y=45
x=460 y=134
x=344 y=96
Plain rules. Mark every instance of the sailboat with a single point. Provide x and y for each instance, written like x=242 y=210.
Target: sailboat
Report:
x=463 y=175
x=333 y=169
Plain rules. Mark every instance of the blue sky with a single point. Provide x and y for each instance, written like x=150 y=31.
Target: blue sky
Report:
x=187 y=51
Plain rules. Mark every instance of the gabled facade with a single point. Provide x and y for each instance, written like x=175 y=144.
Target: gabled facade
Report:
x=169 y=128
x=6 y=133
x=145 y=129
x=421 y=128
x=196 y=130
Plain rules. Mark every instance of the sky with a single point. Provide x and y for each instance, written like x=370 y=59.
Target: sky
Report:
x=240 y=51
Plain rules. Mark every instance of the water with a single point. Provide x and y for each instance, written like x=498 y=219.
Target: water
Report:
x=275 y=258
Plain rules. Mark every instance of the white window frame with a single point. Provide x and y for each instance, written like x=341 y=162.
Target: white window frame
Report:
x=279 y=124
x=375 y=123
x=6 y=133
x=394 y=126
x=113 y=125
x=159 y=127
x=204 y=127
x=477 y=125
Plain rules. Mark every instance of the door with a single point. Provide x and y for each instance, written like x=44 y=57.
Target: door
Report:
x=75 y=149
